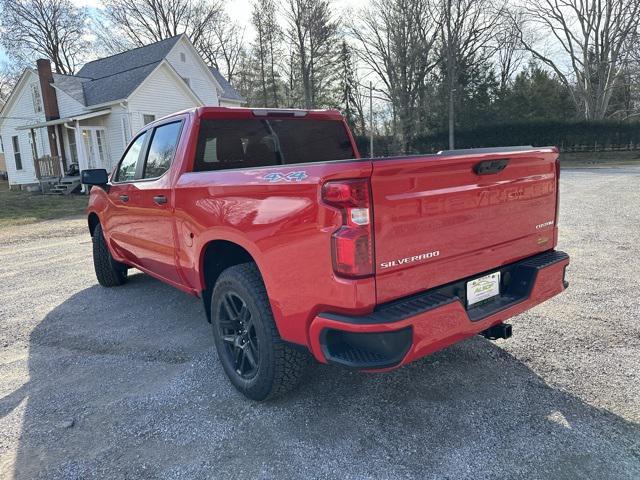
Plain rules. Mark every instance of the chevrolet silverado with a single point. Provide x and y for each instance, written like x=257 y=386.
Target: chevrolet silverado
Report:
x=297 y=245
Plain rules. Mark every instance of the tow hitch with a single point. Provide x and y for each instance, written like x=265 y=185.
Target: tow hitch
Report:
x=502 y=330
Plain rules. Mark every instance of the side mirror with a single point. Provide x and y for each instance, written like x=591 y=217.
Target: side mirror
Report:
x=94 y=176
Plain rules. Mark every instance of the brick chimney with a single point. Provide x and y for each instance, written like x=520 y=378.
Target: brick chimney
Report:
x=51 y=112
x=48 y=93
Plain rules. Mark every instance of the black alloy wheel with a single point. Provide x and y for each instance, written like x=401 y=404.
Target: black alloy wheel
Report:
x=254 y=357
x=239 y=335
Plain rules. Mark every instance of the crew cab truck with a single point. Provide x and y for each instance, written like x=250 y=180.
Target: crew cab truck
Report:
x=298 y=245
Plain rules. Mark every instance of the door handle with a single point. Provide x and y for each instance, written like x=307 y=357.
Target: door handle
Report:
x=124 y=198
x=160 y=199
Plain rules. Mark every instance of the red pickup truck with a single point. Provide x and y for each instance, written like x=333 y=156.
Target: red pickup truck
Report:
x=298 y=245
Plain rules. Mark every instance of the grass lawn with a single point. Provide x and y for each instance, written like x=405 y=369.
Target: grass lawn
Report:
x=19 y=207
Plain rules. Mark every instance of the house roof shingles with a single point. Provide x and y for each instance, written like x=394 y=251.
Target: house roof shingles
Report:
x=129 y=60
x=117 y=86
x=228 y=91
x=116 y=77
x=71 y=85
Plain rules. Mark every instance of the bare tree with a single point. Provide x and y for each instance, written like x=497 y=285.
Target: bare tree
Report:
x=625 y=102
x=397 y=40
x=9 y=75
x=509 y=54
x=292 y=92
x=468 y=30
x=594 y=38
x=312 y=34
x=55 y=29
x=223 y=45
x=107 y=38
x=628 y=87
x=267 y=49
x=141 y=22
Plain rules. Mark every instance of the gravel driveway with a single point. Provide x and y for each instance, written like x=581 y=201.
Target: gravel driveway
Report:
x=124 y=382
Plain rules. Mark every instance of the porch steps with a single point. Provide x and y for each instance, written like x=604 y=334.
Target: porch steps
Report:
x=65 y=186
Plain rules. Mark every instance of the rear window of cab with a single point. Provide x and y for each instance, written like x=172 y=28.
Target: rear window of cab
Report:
x=244 y=143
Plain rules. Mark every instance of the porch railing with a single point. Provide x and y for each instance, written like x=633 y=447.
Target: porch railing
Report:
x=48 y=167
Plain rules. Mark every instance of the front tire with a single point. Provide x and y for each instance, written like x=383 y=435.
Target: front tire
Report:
x=254 y=357
x=109 y=272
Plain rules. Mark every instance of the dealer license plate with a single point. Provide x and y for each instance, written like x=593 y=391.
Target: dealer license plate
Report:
x=483 y=288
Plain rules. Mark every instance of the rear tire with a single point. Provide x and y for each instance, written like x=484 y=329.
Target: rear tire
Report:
x=254 y=357
x=109 y=272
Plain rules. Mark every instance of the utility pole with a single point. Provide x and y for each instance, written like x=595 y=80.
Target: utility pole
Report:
x=370 y=119
x=451 y=73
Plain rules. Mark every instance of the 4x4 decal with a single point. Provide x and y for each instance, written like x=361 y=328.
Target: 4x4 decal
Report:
x=274 y=177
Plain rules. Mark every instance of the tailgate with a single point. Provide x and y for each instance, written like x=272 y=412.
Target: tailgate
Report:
x=437 y=219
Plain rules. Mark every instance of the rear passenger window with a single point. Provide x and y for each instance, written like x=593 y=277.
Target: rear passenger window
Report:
x=162 y=149
x=224 y=144
x=127 y=168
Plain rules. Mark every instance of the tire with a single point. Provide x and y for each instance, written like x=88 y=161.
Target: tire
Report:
x=109 y=272
x=254 y=357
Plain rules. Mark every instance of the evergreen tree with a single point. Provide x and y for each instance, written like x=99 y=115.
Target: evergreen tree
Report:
x=350 y=100
x=535 y=95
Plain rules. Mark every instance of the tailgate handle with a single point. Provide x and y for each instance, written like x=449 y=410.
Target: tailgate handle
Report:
x=489 y=167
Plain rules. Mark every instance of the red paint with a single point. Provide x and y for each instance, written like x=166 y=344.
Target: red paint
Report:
x=475 y=223
x=446 y=325
x=419 y=205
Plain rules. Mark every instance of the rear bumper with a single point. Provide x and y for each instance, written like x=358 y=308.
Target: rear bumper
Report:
x=399 y=332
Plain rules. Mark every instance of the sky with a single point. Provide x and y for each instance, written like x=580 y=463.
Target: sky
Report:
x=238 y=10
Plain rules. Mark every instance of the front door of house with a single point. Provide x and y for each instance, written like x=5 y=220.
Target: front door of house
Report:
x=95 y=147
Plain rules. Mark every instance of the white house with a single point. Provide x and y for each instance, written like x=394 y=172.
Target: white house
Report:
x=88 y=118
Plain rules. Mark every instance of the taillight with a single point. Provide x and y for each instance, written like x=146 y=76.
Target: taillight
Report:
x=352 y=243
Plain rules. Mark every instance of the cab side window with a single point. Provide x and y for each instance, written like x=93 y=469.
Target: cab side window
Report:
x=162 y=149
x=127 y=168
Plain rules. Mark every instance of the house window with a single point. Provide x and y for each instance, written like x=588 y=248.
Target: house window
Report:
x=187 y=80
x=101 y=140
x=16 y=152
x=71 y=136
x=183 y=57
x=33 y=142
x=148 y=118
x=35 y=96
x=89 y=149
x=126 y=133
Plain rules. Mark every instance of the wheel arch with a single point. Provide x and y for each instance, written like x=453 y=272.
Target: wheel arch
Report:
x=216 y=256
x=93 y=221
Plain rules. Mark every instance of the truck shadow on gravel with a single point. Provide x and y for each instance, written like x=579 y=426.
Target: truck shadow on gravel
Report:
x=125 y=383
